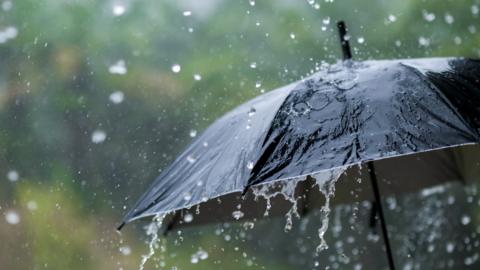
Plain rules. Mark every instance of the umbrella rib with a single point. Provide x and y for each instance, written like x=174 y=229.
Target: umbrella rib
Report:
x=378 y=200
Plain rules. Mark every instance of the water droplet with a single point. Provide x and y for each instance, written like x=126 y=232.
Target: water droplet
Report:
x=248 y=225
x=187 y=13
x=187 y=196
x=202 y=254
x=251 y=2
x=250 y=165
x=326 y=21
x=197 y=77
x=457 y=40
x=119 y=68
x=10 y=32
x=449 y=18
x=13 y=176
x=191 y=159
x=117 y=97
x=32 y=205
x=423 y=41
x=193 y=133
x=98 y=136
x=429 y=17
x=475 y=10
x=466 y=220
x=450 y=247
x=188 y=218
x=253 y=65
x=292 y=35
x=392 y=18
x=118 y=9
x=360 y=40
x=12 y=217
x=7 y=5
x=258 y=84
x=237 y=214
x=176 y=68
x=125 y=250
x=252 y=112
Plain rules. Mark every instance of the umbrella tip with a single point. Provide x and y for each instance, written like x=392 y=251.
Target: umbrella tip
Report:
x=119 y=228
x=342 y=31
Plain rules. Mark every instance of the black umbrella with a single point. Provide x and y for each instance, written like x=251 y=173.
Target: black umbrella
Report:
x=411 y=121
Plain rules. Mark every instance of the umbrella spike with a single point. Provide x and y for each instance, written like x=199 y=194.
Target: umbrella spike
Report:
x=379 y=209
x=342 y=31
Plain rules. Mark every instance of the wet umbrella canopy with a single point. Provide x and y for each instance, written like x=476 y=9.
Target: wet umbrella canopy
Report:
x=406 y=115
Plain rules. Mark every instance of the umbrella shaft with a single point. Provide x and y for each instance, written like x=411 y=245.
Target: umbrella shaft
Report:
x=378 y=201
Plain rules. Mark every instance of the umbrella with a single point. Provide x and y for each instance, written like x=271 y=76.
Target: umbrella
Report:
x=413 y=122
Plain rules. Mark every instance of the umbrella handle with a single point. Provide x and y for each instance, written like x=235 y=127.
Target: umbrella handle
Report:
x=342 y=31
x=378 y=201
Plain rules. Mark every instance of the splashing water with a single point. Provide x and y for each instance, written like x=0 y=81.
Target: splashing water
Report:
x=283 y=188
x=326 y=185
x=154 y=243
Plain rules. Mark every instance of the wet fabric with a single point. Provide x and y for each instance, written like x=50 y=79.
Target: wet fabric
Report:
x=345 y=114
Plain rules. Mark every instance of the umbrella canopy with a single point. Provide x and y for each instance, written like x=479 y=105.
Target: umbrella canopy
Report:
x=345 y=114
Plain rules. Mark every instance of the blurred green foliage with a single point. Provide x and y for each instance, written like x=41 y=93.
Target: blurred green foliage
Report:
x=55 y=85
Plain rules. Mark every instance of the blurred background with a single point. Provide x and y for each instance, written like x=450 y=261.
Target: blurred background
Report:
x=97 y=97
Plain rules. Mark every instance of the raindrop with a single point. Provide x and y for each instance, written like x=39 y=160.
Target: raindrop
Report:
x=118 y=68
x=429 y=17
x=253 y=65
x=117 y=97
x=118 y=9
x=194 y=259
x=125 y=250
x=12 y=217
x=457 y=40
x=13 y=176
x=326 y=21
x=187 y=196
x=202 y=254
x=392 y=18
x=449 y=18
x=398 y=43
x=465 y=220
x=191 y=159
x=187 y=13
x=252 y=3
x=250 y=165
x=248 y=225
x=197 y=77
x=237 y=214
x=472 y=29
x=8 y=33
x=32 y=205
x=176 y=68
x=423 y=41
x=7 y=5
x=193 y=133
x=474 y=9
x=258 y=84
x=360 y=40
x=292 y=35
x=450 y=246
x=252 y=112
x=188 y=218
x=99 y=136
